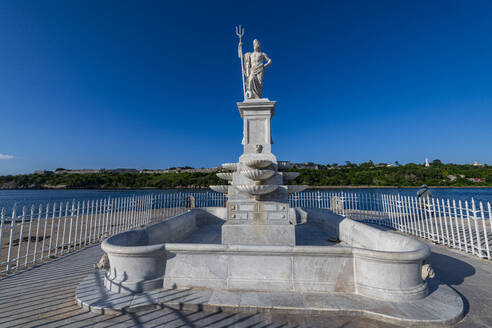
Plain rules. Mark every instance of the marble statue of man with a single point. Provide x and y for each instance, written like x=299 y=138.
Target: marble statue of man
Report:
x=254 y=69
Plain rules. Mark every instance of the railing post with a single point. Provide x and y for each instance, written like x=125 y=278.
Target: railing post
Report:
x=405 y=217
x=98 y=220
x=451 y=223
x=11 y=238
x=145 y=205
x=384 y=207
x=470 y=231
x=123 y=214
x=21 y=232
x=111 y=217
x=128 y=212
x=389 y=205
x=139 y=211
x=76 y=227
x=433 y=220
x=82 y=225
x=411 y=219
x=62 y=251
x=132 y=215
x=465 y=232
x=142 y=208
x=2 y=222
x=52 y=229
x=92 y=225
x=397 y=210
x=149 y=208
x=425 y=219
x=418 y=219
x=72 y=211
x=58 y=227
x=86 y=226
x=146 y=209
x=415 y=214
x=487 y=249
x=115 y=216
x=490 y=217
x=445 y=224
x=390 y=202
x=479 y=242
x=457 y=224
x=37 y=234
x=43 y=242
x=107 y=217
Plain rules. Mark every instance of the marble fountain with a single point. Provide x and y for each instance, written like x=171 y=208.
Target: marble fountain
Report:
x=259 y=254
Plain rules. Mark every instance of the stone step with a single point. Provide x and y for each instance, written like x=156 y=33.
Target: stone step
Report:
x=441 y=308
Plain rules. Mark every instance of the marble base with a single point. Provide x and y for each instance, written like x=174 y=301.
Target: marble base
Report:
x=443 y=307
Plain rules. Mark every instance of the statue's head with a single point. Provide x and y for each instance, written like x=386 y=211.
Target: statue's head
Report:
x=256 y=45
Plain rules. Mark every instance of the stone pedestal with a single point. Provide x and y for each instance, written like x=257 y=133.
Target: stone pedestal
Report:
x=257 y=206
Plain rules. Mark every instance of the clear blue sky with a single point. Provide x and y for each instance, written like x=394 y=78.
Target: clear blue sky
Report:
x=153 y=84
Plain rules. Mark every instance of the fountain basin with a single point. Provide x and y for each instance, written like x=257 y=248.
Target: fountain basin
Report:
x=138 y=257
x=177 y=253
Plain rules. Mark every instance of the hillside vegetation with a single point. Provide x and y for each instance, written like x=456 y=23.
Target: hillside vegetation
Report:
x=365 y=174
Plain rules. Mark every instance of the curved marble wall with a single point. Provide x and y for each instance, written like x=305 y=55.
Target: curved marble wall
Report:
x=376 y=263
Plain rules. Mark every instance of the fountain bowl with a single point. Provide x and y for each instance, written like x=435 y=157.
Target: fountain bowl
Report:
x=290 y=175
x=220 y=188
x=257 y=175
x=296 y=188
x=229 y=166
x=258 y=163
x=257 y=189
x=285 y=166
x=225 y=175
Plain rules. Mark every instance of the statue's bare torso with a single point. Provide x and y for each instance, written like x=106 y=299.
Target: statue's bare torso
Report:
x=257 y=58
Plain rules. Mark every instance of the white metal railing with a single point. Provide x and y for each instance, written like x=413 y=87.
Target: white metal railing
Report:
x=466 y=226
x=34 y=234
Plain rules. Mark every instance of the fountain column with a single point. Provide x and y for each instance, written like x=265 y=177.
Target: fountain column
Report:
x=257 y=206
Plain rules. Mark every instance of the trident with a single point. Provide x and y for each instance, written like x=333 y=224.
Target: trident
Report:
x=240 y=33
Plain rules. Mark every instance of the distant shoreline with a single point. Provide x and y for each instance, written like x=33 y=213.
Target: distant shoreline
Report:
x=395 y=187
x=310 y=188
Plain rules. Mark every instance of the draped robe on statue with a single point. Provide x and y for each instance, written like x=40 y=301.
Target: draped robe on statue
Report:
x=254 y=77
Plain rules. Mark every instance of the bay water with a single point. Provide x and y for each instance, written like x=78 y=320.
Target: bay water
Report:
x=9 y=198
